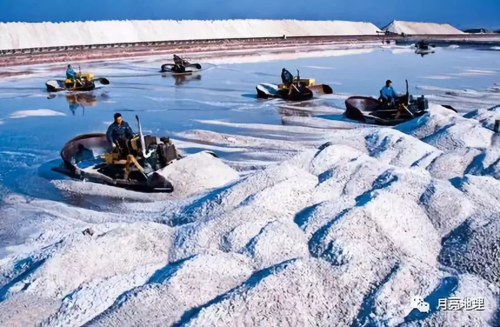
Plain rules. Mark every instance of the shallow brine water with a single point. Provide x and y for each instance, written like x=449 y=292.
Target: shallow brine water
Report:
x=34 y=126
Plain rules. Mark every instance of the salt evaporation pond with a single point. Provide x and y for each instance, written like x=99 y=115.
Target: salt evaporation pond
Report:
x=326 y=232
x=224 y=92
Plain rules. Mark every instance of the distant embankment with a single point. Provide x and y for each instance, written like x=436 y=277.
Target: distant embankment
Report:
x=31 y=43
x=45 y=35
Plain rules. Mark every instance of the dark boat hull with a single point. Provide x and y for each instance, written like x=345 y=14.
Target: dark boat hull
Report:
x=372 y=111
x=424 y=51
x=177 y=74
x=180 y=70
x=266 y=91
x=59 y=85
x=154 y=182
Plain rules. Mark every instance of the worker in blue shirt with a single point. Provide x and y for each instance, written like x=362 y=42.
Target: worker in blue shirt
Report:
x=70 y=73
x=387 y=94
x=119 y=132
x=119 y=129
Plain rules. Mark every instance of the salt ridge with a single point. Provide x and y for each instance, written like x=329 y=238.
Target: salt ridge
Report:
x=343 y=233
x=33 y=35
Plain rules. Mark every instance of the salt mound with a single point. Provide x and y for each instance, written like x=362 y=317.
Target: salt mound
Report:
x=386 y=209
x=198 y=173
x=471 y=287
x=390 y=303
x=226 y=199
x=469 y=146
x=282 y=295
x=386 y=144
x=13 y=310
x=343 y=172
x=484 y=192
x=276 y=193
x=414 y=28
x=93 y=297
x=453 y=164
x=437 y=118
x=471 y=255
x=53 y=218
x=465 y=134
x=486 y=117
x=275 y=243
x=492 y=169
x=36 y=35
x=79 y=258
x=179 y=287
x=400 y=214
x=399 y=149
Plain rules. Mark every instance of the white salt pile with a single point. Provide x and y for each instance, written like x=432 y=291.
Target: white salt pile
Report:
x=34 y=35
x=420 y=28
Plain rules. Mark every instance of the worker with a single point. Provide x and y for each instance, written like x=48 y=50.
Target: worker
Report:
x=387 y=93
x=119 y=129
x=179 y=66
x=286 y=77
x=179 y=61
x=70 y=73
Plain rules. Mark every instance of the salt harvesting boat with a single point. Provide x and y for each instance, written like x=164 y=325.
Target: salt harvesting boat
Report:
x=180 y=67
x=127 y=164
x=82 y=82
x=180 y=70
x=375 y=111
x=423 y=48
x=301 y=89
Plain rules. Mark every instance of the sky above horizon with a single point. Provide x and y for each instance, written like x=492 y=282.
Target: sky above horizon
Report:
x=460 y=13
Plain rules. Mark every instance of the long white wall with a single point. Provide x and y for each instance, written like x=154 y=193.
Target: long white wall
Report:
x=34 y=35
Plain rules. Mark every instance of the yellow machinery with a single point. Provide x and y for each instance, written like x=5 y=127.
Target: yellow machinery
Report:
x=304 y=81
x=84 y=77
x=111 y=157
x=115 y=157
